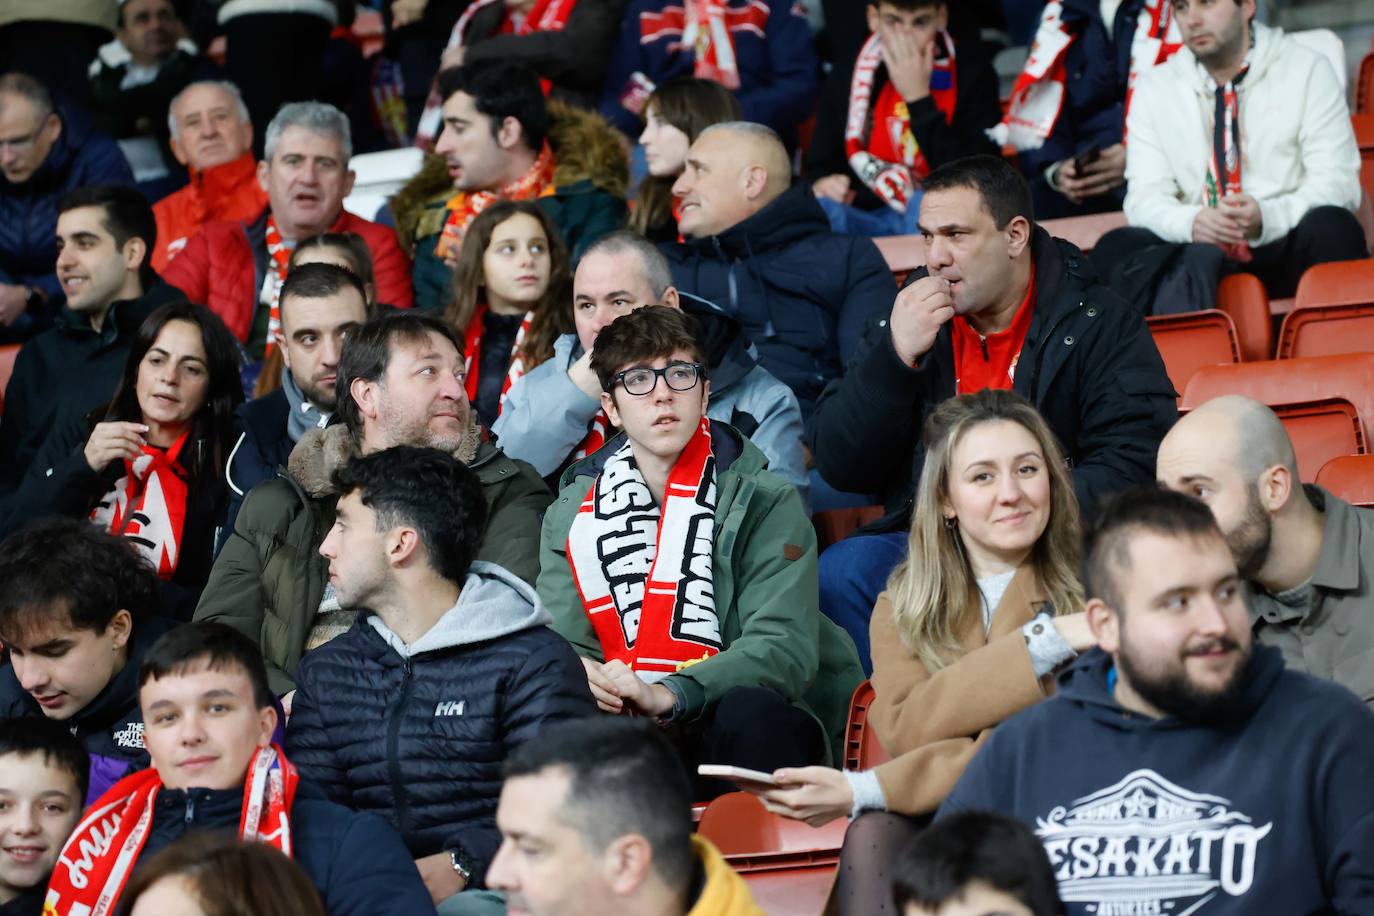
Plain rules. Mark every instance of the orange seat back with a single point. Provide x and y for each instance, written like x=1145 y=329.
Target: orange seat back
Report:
x=1191 y=340
x=1336 y=283
x=1351 y=478
x=1364 y=138
x=1242 y=296
x=1324 y=330
x=862 y=749
x=739 y=826
x=1321 y=431
x=1364 y=85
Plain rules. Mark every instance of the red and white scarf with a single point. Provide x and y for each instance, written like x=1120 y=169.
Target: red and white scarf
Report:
x=148 y=505
x=596 y=436
x=707 y=33
x=1223 y=177
x=652 y=599
x=544 y=16
x=464 y=206
x=280 y=257
x=472 y=342
x=98 y=857
x=1038 y=95
x=885 y=155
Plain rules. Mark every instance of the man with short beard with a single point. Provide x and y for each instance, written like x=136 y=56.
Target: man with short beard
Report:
x=400 y=382
x=1179 y=766
x=1306 y=556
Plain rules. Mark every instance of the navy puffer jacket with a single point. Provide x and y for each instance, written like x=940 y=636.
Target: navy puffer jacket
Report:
x=418 y=733
x=82 y=155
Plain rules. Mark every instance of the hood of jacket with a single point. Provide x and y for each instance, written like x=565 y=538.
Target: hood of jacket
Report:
x=789 y=218
x=723 y=891
x=585 y=148
x=1084 y=683
x=1267 y=45
x=321 y=452
x=493 y=603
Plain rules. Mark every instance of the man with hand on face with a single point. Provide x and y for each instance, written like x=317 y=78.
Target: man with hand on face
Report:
x=42 y=783
x=553 y=413
x=237 y=268
x=400 y=382
x=450 y=665
x=104 y=233
x=999 y=304
x=683 y=571
x=210 y=720
x=1241 y=141
x=212 y=136
x=914 y=104
x=320 y=305
x=1213 y=779
x=1306 y=556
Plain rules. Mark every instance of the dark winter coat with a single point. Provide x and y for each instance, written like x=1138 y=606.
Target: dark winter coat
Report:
x=417 y=733
x=82 y=155
x=1088 y=364
x=802 y=293
x=141 y=111
x=263 y=448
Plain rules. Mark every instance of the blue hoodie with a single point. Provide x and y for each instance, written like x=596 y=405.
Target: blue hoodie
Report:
x=1272 y=813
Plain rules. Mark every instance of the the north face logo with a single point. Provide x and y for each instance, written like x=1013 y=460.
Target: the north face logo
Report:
x=130 y=736
x=451 y=708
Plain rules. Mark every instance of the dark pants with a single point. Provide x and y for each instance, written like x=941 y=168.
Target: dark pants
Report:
x=853 y=573
x=751 y=727
x=1324 y=234
x=274 y=58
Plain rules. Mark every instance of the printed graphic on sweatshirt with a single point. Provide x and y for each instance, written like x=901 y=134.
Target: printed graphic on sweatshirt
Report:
x=1145 y=845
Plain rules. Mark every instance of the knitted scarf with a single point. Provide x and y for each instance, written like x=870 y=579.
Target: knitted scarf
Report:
x=472 y=340
x=707 y=33
x=1223 y=165
x=148 y=505
x=280 y=256
x=596 y=436
x=885 y=154
x=1038 y=95
x=464 y=206
x=644 y=574
x=100 y=854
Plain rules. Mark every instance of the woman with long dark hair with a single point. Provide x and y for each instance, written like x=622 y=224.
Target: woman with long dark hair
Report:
x=149 y=466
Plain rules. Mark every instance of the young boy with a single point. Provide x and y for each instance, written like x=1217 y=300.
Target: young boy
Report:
x=76 y=617
x=210 y=718
x=42 y=781
x=703 y=612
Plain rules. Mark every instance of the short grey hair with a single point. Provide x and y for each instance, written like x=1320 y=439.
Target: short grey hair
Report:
x=657 y=273
x=749 y=128
x=26 y=87
x=225 y=85
x=316 y=117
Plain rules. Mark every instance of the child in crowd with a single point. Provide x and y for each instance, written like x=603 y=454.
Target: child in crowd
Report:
x=42 y=781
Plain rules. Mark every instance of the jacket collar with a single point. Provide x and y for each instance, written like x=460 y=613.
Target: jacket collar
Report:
x=320 y=452
x=727 y=445
x=792 y=215
x=226 y=178
x=1338 y=563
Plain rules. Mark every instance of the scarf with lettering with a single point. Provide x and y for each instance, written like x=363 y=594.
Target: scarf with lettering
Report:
x=472 y=340
x=644 y=574
x=280 y=256
x=885 y=154
x=464 y=206
x=1223 y=166
x=544 y=16
x=103 y=850
x=148 y=505
x=1038 y=95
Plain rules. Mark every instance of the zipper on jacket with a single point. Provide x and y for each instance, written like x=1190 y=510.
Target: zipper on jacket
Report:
x=393 y=757
x=983 y=342
x=190 y=808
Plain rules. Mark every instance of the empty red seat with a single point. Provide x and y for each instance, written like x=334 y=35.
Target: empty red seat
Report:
x=1191 y=340
x=862 y=750
x=1348 y=376
x=1242 y=296
x=1350 y=477
x=1324 y=330
x=1321 y=431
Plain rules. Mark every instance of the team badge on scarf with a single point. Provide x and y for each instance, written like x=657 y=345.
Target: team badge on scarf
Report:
x=1038 y=95
x=644 y=575
x=148 y=506
x=98 y=857
x=472 y=338
x=882 y=150
x=464 y=206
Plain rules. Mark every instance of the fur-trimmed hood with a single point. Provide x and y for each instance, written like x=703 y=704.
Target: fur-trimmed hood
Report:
x=323 y=451
x=585 y=147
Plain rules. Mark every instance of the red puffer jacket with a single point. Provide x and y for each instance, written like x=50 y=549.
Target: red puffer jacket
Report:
x=217 y=267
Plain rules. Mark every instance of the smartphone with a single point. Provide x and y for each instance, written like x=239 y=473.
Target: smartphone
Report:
x=747 y=779
x=1085 y=159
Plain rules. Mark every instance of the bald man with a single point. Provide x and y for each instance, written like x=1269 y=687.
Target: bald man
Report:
x=1307 y=557
x=761 y=248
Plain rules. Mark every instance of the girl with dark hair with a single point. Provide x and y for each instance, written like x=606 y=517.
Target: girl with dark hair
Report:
x=149 y=466
x=510 y=293
x=209 y=874
x=675 y=114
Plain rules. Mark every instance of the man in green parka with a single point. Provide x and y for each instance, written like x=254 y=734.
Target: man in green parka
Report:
x=400 y=382
x=683 y=571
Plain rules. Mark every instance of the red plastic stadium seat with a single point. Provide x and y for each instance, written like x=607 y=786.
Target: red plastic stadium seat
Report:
x=8 y=353
x=1191 y=340
x=1321 y=431
x=1242 y=296
x=1364 y=138
x=1350 y=477
x=1364 y=85
x=837 y=524
x=862 y=750
x=1324 y=330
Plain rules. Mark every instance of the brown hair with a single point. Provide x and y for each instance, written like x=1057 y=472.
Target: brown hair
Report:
x=646 y=334
x=230 y=878
x=933 y=590
x=691 y=105
x=551 y=315
x=351 y=245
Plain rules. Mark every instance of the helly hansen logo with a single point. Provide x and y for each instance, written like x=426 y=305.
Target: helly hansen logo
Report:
x=450 y=708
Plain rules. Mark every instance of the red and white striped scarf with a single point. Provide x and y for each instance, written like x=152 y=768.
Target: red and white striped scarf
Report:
x=472 y=342
x=707 y=33
x=652 y=604
x=464 y=206
x=280 y=257
x=103 y=850
x=148 y=505
x=1223 y=177
x=596 y=436
x=1038 y=95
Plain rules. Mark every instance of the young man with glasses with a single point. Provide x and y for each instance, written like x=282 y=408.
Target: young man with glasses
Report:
x=684 y=572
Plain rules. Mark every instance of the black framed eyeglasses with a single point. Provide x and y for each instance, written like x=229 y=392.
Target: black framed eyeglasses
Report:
x=642 y=380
